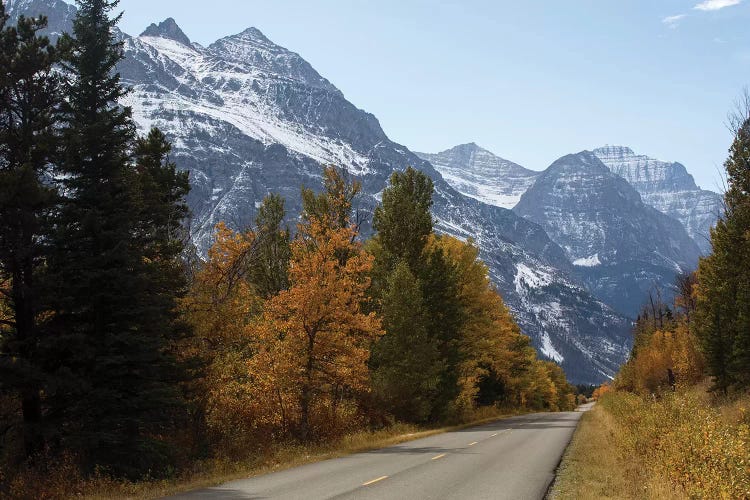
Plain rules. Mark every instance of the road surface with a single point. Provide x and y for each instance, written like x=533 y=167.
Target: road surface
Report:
x=511 y=458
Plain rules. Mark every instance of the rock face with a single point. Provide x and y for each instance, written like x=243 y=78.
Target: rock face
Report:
x=248 y=117
x=620 y=246
x=478 y=173
x=669 y=188
x=59 y=14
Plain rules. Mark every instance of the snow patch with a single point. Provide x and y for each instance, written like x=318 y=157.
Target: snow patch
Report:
x=591 y=261
x=549 y=350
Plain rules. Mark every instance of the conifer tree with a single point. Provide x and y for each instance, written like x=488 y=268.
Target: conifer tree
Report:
x=404 y=224
x=115 y=396
x=445 y=321
x=269 y=267
x=406 y=362
x=723 y=291
x=29 y=97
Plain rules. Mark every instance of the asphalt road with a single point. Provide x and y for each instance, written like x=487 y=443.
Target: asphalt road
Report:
x=511 y=458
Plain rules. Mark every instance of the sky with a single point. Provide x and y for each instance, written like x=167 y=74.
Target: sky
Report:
x=530 y=80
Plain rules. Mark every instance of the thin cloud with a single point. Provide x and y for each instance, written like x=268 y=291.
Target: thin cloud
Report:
x=673 y=21
x=716 y=4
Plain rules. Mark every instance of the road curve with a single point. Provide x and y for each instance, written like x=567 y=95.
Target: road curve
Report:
x=513 y=458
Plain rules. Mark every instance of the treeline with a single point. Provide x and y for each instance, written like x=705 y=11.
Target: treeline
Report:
x=317 y=335
x=120 y=352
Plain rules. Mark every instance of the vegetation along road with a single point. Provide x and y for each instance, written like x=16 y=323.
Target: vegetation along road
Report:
x=510 y=458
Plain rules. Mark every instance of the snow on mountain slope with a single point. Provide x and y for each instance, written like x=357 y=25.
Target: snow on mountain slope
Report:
x=478 y=173
x=248 y=117
x=669 y=188
x=621 y=247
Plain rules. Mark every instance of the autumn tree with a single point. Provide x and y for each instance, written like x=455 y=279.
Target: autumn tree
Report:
x=316 y=334
x=494 y=354
x=222 y=307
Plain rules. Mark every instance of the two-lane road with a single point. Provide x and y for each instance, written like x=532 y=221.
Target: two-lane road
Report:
x=513 y=458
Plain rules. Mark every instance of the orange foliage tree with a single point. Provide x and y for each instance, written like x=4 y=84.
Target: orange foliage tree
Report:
x=315 y=337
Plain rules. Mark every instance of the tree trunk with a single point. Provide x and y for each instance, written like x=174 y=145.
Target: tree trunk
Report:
x=307 y=388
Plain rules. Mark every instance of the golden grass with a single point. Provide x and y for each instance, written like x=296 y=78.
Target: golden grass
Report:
x=679 y=445
x=208 y=473
x=595 y=467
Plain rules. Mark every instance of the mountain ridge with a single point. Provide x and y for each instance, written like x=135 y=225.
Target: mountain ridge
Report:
x=247 y=117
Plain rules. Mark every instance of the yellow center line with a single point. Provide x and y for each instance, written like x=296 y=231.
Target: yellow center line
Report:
x=472 y=444
x=439 y=456
x=374 y=480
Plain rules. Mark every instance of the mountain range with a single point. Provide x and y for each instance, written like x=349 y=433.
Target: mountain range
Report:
x=248 y=117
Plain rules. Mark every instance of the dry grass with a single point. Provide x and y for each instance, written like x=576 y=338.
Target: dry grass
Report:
x=680 y=445
x=212 y=472
x=594 y=467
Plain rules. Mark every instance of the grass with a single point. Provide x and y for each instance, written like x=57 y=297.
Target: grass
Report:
x=687 y=444
x=209 y=473
x=595 y=467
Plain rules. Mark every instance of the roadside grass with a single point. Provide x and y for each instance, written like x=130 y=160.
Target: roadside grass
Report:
x=687 y=444
x=62 y=481
x=594 y=467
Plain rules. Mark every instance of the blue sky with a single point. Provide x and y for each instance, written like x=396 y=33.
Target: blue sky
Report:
x=528 y=80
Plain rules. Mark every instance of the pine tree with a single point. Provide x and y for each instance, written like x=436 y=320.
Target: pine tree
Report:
x=723 y=291
x=404 y=224
x=270 y=262
x=446 y=318
x=115 y=396
x=29 y=96
x=406 y=362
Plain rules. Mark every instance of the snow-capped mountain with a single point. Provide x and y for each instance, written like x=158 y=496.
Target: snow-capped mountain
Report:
x=248 y=117
x=478 y=173
x=669 y=188
x=620 y=246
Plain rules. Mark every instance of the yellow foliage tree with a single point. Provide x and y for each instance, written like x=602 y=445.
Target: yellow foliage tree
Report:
x=222 y=307
x=315 y=336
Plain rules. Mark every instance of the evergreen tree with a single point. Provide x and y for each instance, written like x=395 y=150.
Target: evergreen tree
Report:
x=403 y=221
x=445 y=321
x=29 y=96
x=270 y=263
x=404 y=224
x=723 y=291
x=115 y=395
x=406 y=362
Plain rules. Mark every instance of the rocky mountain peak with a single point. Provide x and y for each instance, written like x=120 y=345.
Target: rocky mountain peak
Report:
x=477 y=172
x=585 y=161
x=168 y=29
x=643 y=172
x=668 y=187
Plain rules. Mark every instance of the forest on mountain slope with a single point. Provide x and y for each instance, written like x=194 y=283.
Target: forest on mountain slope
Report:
x=124 y=356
